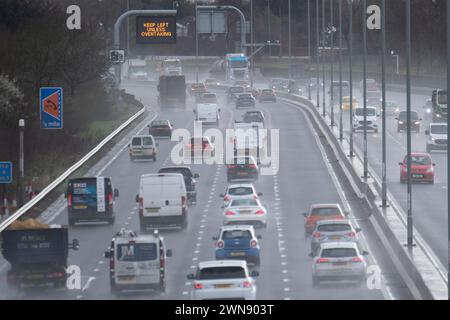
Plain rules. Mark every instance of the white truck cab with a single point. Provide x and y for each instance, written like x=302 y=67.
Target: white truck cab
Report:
x=207 y=113
x=436 y=136
x=137 y=262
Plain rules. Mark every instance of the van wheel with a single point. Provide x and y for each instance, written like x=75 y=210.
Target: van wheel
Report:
x=154 y=158
x=162 y=286
x=112 y=220
x=71 y=222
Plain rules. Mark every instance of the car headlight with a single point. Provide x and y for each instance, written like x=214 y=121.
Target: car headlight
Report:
x=428 y=110
x=417 y=122
x=430 y=169
x=432 y=139
x=400 y=122
x=438 y=115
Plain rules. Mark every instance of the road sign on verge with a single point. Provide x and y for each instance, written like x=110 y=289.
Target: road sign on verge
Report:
x=51 y=107
x=6 y=175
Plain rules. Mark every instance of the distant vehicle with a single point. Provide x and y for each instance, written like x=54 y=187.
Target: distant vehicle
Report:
x=137 y=262
x=346 y=103
x=162 y=201
x=212 y=82
x=223 y=279
x=333 y=231
x=439 y=101
x=322 y=211
x=312 y=83
x=241 y=83
x=255 y=92
x=250 y=139
x=37 y=254
x=267 y=95
x=371 y=85
x=428 y=110
x=422 y=168
x=339 y=261
x=91 y=199
x=437 y=136
x=197 y=89
x=371 y=119
x=276 y=83
x=392 y=108
x=336 y=86
x=245 y=100
x=172 y=91
x=401 y=121
x=254 y=116
x=189 y=180
x=160 y=128
x=172 y=67
x=233 y=92
x=207 y=113
x=242 y=168
x=245 y=211
x=206 y=97
x=373 y=97
x=199 y=147
x=239 y=191
x=142 y=147
x=238 y=242
x=237 y=66
x=293 y=88
x=136 y=69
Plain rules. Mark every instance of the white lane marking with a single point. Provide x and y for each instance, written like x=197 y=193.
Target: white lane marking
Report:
x=285 y=280
x=185 y=293
x=287 y=289
x=88 y=283
x=101 y=262
x=96 y=270
x=187 y=283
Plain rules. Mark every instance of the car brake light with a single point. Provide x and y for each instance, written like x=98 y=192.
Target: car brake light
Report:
x=229 y=213
x=183 y=200
x=232 y=166
x=141 y=206
x=357 y=259
x=161 y=259
x=322 y=260
x=198 y=286
x=317 y=234
x=226 y=198
x=252 y=166
x=350 y=234
x=259 y=212
x=69 y=201
x=247 y=284
x=220 y=244
x=253 y=243
x=110 y=199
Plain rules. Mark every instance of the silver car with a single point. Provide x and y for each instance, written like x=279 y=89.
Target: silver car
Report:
x=339 y=261
x=332 y=231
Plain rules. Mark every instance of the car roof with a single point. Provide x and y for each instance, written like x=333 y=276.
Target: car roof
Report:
x=438 y=124
x=142 y=136
x=420 y=154
x=330 y=245
x=332 y=221
x=222 y=263
x=176 y=167
x=254 y=111
x=238 y=227
x=325 y=205
x=237 y=185
x=139 y=239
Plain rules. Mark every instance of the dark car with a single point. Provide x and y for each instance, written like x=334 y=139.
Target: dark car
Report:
x=401 y=121
x=189 y=180
x=160 y=128
x=86 y=201
x=245 y=100
x=196 y=89
x=233 y=93
x=206 y=97
x=267 y=95
x=254 y=116
x=242 y=168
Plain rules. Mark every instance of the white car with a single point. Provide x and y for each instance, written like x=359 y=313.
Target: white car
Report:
x=245 y=211
x=339 y=261
x=239 y=191
x=371 y=119
x=223 y=279
x=436 y=136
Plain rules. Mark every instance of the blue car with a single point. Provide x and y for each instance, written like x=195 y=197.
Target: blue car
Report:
x=238 y=242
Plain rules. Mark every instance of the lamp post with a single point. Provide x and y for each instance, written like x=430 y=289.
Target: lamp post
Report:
x=364 y=31
x=251 y=40
x=350 y=53
x=289 y=25
x=309 y=49
x=196 y=43
x=448 y=124
x=318 y=53
x=21 y=162
x=332 y=62
x=268 y=26
x=323 y=60
x=341 y=128
x=383 y=105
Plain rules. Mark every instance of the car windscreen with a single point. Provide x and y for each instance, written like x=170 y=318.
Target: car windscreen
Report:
x=245 y=96
x=420 y=160
x=213 y=273
x=136 y=252
x=325 y=211
x=184 y=171
x=360 y=112
x=252 y=118
x=236 y=89
x=236 y=234
x=268 y=92
x=244 y=160
x=240 y=191
x=338 y=253
x=159 y=124
x=334 y=227
x=209 y=96
x=442 y=97
x=136 y=141
x=243 y=202
x=402 y=116
x=441 y=129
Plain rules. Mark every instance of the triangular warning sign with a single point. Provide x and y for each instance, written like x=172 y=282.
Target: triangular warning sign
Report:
x=51 y=104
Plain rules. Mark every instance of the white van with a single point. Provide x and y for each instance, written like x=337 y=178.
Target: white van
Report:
x=137 y=262
x=142 y=147
x=207 y=113
x=162 y=201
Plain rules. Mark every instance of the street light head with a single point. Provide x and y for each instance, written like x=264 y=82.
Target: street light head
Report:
x=21 y=123
x=392 y=52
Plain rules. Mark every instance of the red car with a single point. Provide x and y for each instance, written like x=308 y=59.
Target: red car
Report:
x=422 y=168
x=329 y=211
x=197 y=146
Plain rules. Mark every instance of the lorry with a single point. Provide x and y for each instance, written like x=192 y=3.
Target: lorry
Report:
x=172 y=91
x=171 y=67
x=250 y=139
x=136 y=69
x=439 y=105
x=237 y=66
x=37 y=254
x=207 y=113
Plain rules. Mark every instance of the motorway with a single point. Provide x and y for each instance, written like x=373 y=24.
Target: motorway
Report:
x=429 y=202
x=305 y=177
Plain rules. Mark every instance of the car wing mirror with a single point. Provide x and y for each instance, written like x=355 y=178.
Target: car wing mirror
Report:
x=305 y=214
x=259 y=237
x=310 y=254
x=169 y=252
x=221 y=195
x=196 y=176
x=157 y=144
x=116 y=193
x=346 y=213
x=434 y=164
x=365 y=253
x=400 y=163
x=75 y=245
x=427 y=132
x=190 y=276
x=137 y=198
x=129 y=145
x=254 y=274
x=223 y=207
x=215 y=238
x=260 y=194
x=107 y=254
x=358 y=230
